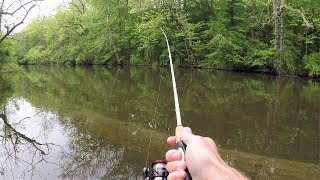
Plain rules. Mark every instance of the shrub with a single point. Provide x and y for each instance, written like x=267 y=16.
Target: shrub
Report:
x=35 y=55
x=260 y=59
x=312 y=64
x=225 y=54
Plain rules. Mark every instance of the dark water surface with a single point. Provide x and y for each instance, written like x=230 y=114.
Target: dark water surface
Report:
x=96 y=123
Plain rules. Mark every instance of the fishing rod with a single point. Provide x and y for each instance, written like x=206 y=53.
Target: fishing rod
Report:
x=158 y=167
x=180 y=146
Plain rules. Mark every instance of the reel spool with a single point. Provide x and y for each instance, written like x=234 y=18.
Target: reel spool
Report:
x=158 y=171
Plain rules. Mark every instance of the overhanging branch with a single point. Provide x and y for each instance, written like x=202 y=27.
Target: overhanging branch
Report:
x=25 y=6
x=302 y=13
x=280 y=11
x=10 y=29
x=20 y=7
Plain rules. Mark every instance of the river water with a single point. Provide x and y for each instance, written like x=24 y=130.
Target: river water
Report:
x=98 y=122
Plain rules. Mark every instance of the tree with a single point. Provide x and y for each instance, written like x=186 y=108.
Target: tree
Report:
x=13 y=14
x=279 y=8
x=279 y=36
x=264 y=36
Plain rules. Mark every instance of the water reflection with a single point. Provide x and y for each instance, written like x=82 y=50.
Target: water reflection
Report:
x=38 y=147
x=96 y=123
x=25 y=147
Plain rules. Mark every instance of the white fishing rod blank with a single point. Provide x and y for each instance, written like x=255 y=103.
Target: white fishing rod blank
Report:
x=180 y=146
x=174 y=85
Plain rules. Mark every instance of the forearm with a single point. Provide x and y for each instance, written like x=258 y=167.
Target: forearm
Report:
x=216 y=168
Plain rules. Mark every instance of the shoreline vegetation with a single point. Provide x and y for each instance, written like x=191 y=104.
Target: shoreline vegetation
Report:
x=273 y=37
x=19 y=68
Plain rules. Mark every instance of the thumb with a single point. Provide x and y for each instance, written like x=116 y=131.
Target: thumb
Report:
x=186 y=135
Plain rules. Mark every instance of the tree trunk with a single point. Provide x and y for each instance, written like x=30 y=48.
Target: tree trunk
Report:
x=1 y=11
x=127 y=10
x=107 y=9
x=185 y=4
x=231 y=13
x=278 y=11
x=254 y=18
x=190 y=52
x=316 y=32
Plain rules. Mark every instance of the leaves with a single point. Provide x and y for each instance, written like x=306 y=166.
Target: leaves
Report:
x=312 y=63
x=232 y=34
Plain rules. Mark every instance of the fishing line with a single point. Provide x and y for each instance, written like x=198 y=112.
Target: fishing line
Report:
x=154 y=116
x=180 y=145
x=159 y=167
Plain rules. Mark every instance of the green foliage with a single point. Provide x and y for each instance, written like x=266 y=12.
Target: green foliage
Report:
x=226 y=53
x=35 y=55
x=312 y=64
x=261 y=58
x=292 y=60
x=7 y=55
x=231 y=34
x=148 y=38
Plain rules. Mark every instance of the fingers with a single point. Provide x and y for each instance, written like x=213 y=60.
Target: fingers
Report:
x=177 y=175
x=186 y=135
x=187 y=129
x=173 y=155
x=176 y=166
x=171 y=141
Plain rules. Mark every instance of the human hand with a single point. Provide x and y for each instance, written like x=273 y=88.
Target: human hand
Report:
x=202 y=159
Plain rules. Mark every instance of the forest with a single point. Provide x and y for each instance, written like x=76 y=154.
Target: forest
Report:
x=269 y=36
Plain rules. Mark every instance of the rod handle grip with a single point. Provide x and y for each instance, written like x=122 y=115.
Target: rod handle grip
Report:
x=181 y=146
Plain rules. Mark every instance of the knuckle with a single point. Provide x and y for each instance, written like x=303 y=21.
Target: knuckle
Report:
x=171 y=167
x=176 y=166
x=169 y=155
x=208 y=139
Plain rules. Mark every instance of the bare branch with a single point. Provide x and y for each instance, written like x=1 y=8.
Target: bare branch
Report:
x=33 y=142
x=14 y=9
x=280 y=11
x=269 y=21
x=14 y=142
x=82 y=5
x=20 y=7
x=302 y=13
x=9 y=30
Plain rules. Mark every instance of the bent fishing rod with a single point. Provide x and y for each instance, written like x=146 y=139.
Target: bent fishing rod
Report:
x=158 y=167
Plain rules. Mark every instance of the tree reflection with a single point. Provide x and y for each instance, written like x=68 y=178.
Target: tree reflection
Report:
x=20 y=154
x=103 y=148
x=105 y=119
x=90 y=158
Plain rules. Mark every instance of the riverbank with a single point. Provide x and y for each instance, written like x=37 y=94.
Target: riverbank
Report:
x=167 y=66
x=202 y=35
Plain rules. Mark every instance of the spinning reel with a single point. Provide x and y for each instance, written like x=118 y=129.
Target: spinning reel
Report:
x=158 y=171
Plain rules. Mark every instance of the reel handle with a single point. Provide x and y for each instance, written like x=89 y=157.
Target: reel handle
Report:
x=181 y=146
